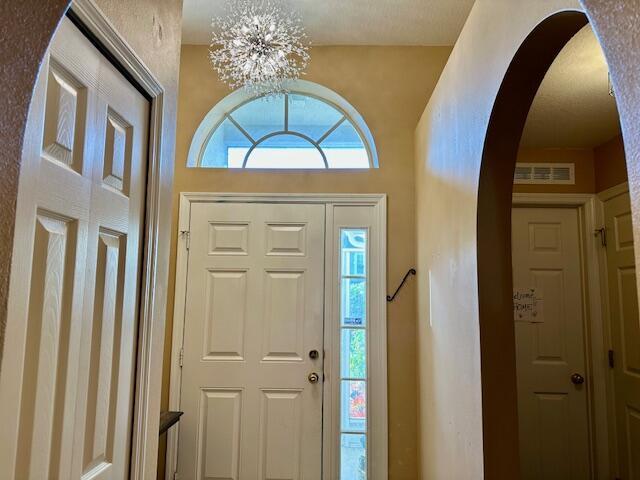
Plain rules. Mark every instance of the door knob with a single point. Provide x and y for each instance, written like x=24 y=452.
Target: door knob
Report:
x=577 y=379
x=313 y=377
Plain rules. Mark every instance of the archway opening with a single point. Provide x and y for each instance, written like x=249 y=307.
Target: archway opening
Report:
x=557 y=295
x=495 y=286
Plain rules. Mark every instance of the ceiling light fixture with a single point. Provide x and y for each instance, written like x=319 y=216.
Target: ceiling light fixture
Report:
x=258 y=46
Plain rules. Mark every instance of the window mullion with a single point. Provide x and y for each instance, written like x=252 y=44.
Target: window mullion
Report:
x=239 y=127
x=331 y=130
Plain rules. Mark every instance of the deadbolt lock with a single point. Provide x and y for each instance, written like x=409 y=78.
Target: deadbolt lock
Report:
x=314 y=354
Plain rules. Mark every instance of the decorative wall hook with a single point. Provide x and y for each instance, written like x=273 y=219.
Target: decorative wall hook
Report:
x=390 y=298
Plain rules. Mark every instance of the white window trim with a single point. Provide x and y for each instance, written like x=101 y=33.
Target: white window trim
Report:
x=377 y=405
x=219 y=112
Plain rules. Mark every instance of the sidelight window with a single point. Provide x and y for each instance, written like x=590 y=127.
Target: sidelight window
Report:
x=353 y=354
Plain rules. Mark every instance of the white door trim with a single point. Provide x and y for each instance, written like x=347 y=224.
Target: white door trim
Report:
x=591 y=217
x=614 y=191
x=148 y=383
x=378 y=428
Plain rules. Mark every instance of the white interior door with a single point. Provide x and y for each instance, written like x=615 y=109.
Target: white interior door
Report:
x=625 y=332
x=66 y=386
x=552 y=410
x=253 y=315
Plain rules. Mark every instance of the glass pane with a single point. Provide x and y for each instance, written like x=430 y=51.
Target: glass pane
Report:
x=261 y=116
x=353 y=354
x=285 y=151
x=354 y=301
x=354 y=252
x=310 y=116
x=347 y=158
x=226 y=137
x=344 y=148
x=353 y=457
x=353 y=400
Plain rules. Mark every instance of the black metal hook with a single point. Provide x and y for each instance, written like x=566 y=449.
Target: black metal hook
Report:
x=390 y=298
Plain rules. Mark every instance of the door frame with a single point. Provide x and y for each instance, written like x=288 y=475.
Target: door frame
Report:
x=597 y=338
x=602 y=198
x=152 y=304
x=378 y=429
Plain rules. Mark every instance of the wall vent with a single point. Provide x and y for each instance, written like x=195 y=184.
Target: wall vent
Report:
x=545 y=173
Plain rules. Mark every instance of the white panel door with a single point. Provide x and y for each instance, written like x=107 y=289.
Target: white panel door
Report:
x=625 y=332
x=66 y=386
x=254 y=312
x=552 y=410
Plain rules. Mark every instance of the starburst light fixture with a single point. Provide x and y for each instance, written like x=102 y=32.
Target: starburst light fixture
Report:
x=258 y=46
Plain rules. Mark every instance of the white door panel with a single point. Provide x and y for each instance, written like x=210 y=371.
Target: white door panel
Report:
x=66 y=386
x=254 y=311
x=553 y=415
x=625 y=332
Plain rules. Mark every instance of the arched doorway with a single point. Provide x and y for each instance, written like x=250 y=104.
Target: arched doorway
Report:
x=508 y=118
x=506 y=125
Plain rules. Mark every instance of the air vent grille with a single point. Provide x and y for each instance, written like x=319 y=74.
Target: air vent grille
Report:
x=545 y=173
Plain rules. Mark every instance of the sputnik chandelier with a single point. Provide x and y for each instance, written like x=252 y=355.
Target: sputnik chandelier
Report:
x=258 y=46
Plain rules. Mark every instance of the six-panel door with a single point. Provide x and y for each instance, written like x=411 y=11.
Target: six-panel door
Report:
x=253 y=315
x=625 y=332
x=553 y=415
x=67 y=380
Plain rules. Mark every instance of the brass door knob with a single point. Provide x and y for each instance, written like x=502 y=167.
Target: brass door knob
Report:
x=577 y=379
x=313 y=377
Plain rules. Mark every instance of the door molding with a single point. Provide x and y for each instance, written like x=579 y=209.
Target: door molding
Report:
x=378 y=430
x=591 y=217
x=613 y=192
x=148 y=379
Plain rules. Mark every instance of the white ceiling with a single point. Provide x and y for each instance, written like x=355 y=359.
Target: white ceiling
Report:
x=351 y=22
x=573 y=108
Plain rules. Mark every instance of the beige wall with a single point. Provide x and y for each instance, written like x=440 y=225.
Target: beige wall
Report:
x=390 y=88
x=582 y=158
x=449 y=151
x=450 y=139
x=610 y=164
x=595 y=169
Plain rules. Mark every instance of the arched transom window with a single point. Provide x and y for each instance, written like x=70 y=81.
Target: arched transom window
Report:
x=296 y=130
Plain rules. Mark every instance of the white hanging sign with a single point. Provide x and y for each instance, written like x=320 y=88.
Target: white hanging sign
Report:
x=527 y=305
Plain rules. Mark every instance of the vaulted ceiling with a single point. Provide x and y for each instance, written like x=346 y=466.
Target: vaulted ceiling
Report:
x=573 y=107
x=351 y=22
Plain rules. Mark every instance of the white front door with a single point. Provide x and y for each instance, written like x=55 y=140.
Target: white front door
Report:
x=625 y=332
x=67 y=380
x=253 y=335
x=552 y=409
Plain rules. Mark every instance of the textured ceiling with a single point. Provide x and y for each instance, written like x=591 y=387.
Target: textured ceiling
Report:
x=573 y=108
x=351 y=22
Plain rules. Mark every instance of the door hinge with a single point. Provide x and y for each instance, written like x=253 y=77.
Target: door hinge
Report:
x=602 y=232
x=186 y=234
x=610 y=356
x=181 y=357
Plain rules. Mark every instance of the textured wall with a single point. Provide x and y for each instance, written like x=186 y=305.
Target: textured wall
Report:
x=616 y=25
x=152 y=29
x=389 y=86
x=450 y=144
